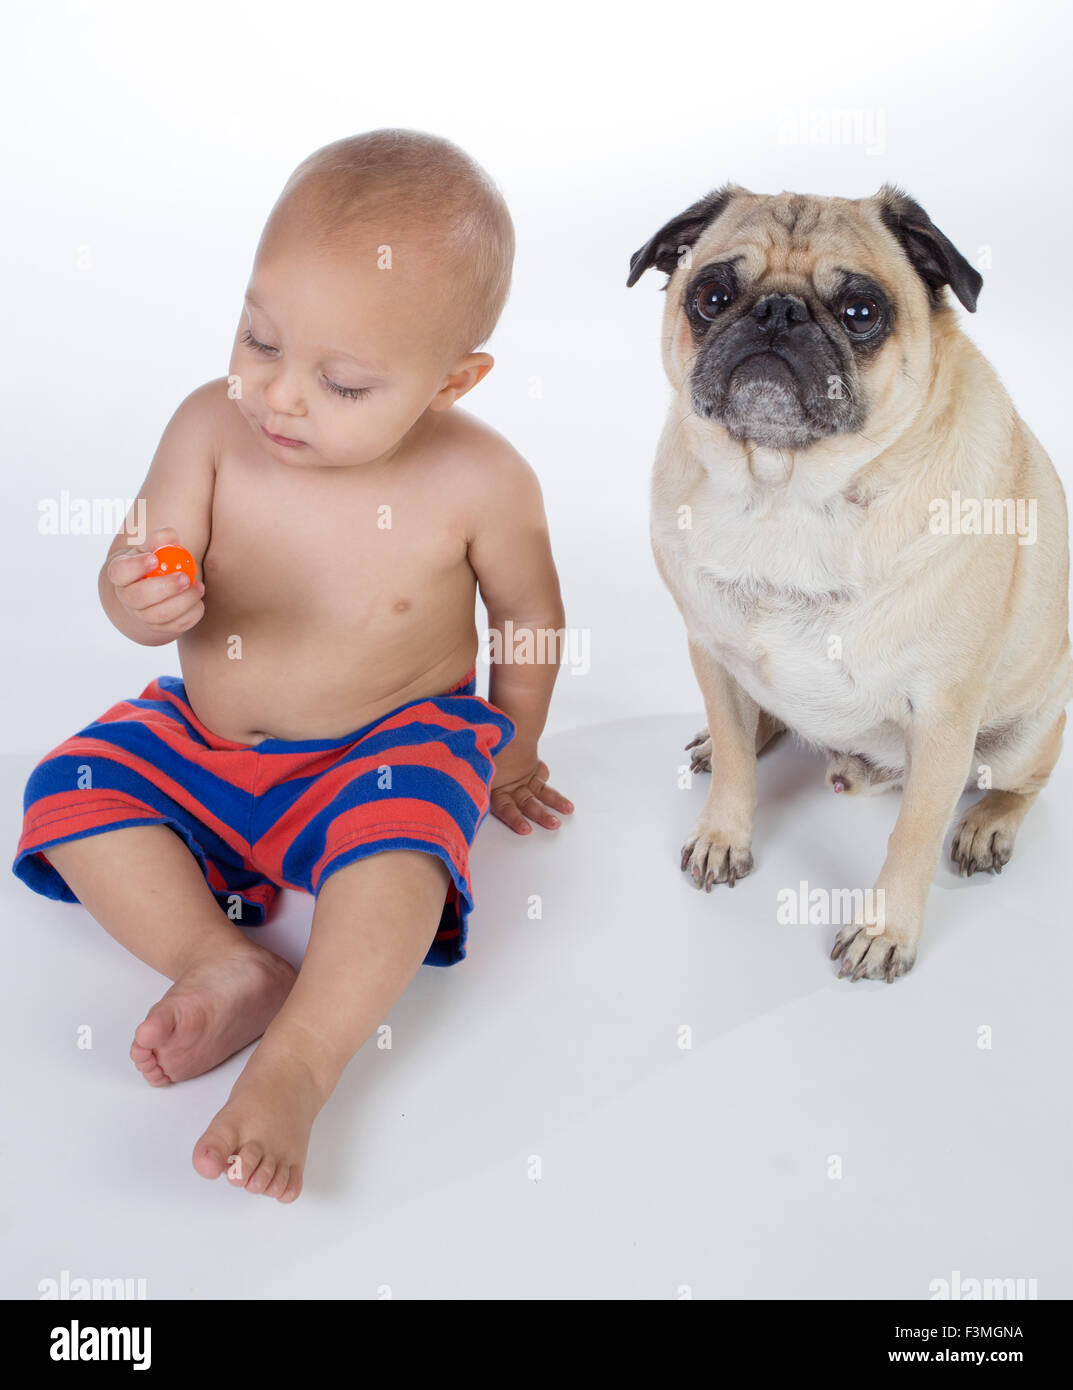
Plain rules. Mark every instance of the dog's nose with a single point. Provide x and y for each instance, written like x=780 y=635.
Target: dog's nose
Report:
x=778 y=312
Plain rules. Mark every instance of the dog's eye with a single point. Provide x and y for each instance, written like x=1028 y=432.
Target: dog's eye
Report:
x=710 y=298
x=860 y=314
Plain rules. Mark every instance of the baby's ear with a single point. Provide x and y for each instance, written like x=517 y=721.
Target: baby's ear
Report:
x=664 y=248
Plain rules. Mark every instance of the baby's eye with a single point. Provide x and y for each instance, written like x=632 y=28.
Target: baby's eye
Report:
x=261 y=347
x=355 y=393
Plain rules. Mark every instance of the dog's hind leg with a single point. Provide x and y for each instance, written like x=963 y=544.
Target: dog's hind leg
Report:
x=768 y=729
x=985 y=837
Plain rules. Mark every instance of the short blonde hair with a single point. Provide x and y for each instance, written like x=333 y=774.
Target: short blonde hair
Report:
x=413 y=182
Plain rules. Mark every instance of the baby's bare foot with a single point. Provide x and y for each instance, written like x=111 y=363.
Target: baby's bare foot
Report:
x=210 y=1013
x=261 y=1135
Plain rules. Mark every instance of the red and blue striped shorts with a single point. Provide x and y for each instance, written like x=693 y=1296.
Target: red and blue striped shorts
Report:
x=274 y=814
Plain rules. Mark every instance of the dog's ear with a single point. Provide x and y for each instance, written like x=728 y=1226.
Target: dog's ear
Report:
x=934 y=257
x=663 y=249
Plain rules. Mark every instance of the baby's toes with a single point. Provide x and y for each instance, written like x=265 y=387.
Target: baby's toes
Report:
x=157 y=1027
x=243 y=1163
x=278 y=1186
x=145 y=1059
x=262 y=1176
x=294 y=1184
x=212 y=1152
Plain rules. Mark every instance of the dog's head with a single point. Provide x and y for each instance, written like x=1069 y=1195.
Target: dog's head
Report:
x=792 y=320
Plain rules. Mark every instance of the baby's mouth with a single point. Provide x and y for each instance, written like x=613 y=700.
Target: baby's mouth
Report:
x=282 y=439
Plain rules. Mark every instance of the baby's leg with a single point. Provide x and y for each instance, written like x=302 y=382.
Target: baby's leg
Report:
x=373 y=924
x=147 y=891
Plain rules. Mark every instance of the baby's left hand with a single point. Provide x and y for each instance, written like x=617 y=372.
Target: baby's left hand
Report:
x=514 y=798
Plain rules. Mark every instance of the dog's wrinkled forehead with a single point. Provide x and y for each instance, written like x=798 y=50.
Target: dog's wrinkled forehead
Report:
x=791 y=239
x=764 y=231
x=885 y=236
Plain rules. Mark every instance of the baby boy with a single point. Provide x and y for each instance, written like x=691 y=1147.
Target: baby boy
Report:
x=341 y=515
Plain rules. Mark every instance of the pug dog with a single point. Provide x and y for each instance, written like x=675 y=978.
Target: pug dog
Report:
x=867 y=543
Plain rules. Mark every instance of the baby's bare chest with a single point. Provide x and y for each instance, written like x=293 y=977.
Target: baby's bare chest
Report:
x=331 y=552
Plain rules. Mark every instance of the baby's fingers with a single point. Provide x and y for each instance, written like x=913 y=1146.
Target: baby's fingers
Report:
x=554 y=798
x=505 y=809
x=148 y=595
x=129 y=567
x=519 y=802
x=178 y=613
x=531 y=806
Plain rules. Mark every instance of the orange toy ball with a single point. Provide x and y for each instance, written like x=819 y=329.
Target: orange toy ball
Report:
x=171 y=559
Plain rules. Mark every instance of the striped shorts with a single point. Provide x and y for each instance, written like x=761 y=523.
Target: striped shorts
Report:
x=275 y=814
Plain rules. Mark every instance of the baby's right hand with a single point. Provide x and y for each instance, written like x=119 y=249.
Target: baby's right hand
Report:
x=167 y=603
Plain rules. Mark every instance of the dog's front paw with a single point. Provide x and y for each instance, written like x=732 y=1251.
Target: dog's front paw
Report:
x=713 y=857
x=884 y=956
x=701 y=756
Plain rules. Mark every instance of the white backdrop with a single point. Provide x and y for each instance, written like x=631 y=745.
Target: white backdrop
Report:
x=143 y=146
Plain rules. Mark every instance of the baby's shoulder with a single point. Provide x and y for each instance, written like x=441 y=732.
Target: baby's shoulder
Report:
x=485 y=466
x=206 y=412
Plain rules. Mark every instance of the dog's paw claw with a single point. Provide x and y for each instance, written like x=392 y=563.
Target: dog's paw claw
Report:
x=881 y=957
x=712 y=858
x=701 y=758
x=982 y=841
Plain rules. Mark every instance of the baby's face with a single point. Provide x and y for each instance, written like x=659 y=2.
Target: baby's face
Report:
x=339 y=354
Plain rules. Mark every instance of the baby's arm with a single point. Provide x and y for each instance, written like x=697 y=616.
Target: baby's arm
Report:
x=510 y=552
x=177 y=498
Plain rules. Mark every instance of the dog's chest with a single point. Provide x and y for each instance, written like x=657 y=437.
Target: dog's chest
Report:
x=788 y=601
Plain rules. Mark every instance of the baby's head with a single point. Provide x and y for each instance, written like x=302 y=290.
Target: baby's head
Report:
x=383 y=266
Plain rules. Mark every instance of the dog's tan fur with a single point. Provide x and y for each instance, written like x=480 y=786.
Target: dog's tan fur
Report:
x=817 y=598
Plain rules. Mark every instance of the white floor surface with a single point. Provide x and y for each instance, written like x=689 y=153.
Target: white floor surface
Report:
x=538 y=1130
